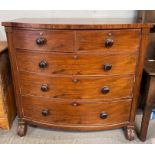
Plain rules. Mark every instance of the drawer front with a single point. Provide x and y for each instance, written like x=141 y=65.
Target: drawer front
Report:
x=76 y=87
x=49 y=63
x=77 y=64
x=108 y=40
x=76 y=113
x=44 y=40
x=108 y=64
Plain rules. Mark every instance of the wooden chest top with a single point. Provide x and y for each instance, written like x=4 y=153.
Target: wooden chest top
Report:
x=76 y=23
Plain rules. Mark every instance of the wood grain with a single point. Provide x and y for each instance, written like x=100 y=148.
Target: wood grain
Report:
x=93 y=64
x=55 y=40
x=148 y=102
x=64 y=112
x=75 y=50
x=7 y=103
x=143 y=46
x=84 y=88
x=4 y=123
x=57 y=63
x=76 y=23
x=76 y=64
x=95 y=40
x=3 y=46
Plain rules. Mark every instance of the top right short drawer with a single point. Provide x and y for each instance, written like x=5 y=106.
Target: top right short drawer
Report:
x=127 y=40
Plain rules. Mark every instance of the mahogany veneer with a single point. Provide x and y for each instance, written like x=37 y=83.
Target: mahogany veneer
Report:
x=77 y=74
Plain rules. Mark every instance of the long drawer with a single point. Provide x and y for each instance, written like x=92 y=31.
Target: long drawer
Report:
x=75 y=113
x=81 y=87
x=77 y=64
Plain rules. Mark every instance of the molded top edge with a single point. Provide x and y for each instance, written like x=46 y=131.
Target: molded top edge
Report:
x=76 y=23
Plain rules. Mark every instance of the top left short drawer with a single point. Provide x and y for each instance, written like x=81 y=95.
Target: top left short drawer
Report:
x=44 y=40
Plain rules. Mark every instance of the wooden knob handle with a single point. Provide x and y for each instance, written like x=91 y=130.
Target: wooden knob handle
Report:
x=107 y=67
x=103 y=115
x=44 y=87
x=40 y=41
x=45 y=112
x=109 y=43
x=105 y=90
x=43 y=64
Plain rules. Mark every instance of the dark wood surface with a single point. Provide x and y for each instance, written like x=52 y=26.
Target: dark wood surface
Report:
x=148 y=82
x=138 y=73
x=149 y=67
x=148 y=99
x=52 y=66
x=7 y=102
x=76 y=23
x=145 y=16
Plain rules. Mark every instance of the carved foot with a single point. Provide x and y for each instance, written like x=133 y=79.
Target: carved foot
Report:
x=129 y=133
x=22 y=128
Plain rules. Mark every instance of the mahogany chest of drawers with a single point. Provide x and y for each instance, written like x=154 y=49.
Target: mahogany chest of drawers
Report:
x=76 y=74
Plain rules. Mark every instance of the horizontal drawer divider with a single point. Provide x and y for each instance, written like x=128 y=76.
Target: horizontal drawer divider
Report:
x=74 y=75
x=88 y=52
x=80 y=100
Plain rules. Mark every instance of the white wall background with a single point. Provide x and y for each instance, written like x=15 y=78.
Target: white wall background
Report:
x=9 y=15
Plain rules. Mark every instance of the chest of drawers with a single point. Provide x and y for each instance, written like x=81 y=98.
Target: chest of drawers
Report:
x=76 y=74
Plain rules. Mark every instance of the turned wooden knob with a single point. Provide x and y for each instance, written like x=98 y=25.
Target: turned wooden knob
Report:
x=107 y=67
x=103 y=115
x=45 y=112
x=109 y=43
x=44 y=87
x=40 y=41
x=105 y=90
x=43 y=64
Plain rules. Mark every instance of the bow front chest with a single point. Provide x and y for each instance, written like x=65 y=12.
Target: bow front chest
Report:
x=76 y=74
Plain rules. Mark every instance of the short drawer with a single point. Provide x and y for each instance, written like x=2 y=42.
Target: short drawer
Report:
x=108 y=40
x=44 y=40
x=75 y=113
x=49 y=63
x=83 y=87
x=76 y=64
